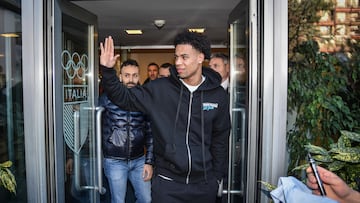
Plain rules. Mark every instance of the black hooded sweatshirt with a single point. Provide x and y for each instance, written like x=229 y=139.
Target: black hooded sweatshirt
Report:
x=190 y=130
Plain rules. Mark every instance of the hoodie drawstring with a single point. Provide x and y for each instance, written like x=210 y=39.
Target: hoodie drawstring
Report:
x=176 y=118
x=202 y=128
x=202 y=136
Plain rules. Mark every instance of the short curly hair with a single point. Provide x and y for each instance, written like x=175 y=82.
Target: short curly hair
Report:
x=197 y=40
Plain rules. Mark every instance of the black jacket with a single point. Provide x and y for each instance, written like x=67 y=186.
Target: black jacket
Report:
x=190 y=130
x=125 y=134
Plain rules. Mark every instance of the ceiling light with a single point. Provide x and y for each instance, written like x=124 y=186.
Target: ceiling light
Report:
x=134 y=32
x=159 y=23
x=198 y=30
x=9 y=35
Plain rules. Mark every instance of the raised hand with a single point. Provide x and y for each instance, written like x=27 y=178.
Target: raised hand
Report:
x=107 y=57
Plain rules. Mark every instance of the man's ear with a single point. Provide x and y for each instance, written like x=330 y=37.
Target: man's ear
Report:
x=201 y=58
x=227 y=66
x=120 y=78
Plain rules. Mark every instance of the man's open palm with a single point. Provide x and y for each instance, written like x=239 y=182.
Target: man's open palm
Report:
x=107 y=57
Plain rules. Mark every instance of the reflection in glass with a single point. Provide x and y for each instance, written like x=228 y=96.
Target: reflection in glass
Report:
x=11 y=102
x=239 y=75
x=75 y=69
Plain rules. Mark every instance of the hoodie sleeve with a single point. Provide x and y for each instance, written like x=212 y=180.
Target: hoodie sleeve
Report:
x=220 y=139
x=149 y=157
x=119 y=94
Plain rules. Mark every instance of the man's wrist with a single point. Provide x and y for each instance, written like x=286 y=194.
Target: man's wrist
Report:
x=353 y=197
x=106 y=67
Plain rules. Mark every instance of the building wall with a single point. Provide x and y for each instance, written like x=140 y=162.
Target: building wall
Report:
x=340 y=24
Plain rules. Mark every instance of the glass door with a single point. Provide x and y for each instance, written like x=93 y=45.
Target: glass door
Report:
x=78 y=140
x=239 y=103
x=12 y=139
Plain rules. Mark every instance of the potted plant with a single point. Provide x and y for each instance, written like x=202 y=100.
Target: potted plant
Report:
x=343 y=158
x=7 y=179
x=323 y=96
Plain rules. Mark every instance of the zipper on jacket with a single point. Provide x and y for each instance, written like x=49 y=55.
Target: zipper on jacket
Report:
x=187 y=139
x=128 y=133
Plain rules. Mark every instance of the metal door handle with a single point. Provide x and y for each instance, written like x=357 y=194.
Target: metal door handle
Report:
x=230 y=190
x=77 y=150
x=100 y=187
x=77 y=167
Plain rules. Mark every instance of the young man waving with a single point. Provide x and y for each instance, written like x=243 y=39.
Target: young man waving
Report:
x=189 y=111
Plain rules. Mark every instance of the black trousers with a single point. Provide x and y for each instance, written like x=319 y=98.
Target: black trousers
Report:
x=166 y=191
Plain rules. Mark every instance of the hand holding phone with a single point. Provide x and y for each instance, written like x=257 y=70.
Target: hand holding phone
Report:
x=316 y=174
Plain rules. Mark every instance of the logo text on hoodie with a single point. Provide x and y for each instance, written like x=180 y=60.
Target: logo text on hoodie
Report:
x=207 y=106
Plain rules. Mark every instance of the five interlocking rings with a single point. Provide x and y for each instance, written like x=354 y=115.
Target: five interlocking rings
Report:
x=74 y=65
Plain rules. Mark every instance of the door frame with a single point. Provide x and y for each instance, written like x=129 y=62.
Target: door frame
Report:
x=43 y=146
x=34 y=63
x=56 y=154
x=268 y=69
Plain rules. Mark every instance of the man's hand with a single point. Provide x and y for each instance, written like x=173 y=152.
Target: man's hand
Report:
x=148 y=172
x=107 y=57
x=335 y=187
x=69 y=166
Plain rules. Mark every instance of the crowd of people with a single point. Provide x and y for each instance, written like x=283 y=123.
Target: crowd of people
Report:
x=168 y=137
x=189 y=158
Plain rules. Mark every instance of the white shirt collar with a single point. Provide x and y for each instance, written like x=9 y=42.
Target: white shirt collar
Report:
x=192 y=88
x=225 y=84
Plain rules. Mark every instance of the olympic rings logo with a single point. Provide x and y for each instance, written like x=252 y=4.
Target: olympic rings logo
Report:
x=74 y=64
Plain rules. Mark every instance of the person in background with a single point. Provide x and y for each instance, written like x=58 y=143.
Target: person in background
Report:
x=334 y=186
x=241 y=74
x=125 y=136
x=164 y=70
x=219 y=62
x=189 y=111
x=153 y=72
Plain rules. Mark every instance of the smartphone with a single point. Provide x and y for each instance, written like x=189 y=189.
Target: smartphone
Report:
x=316 y=174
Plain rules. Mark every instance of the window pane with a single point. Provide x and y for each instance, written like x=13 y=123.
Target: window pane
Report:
x=11 y=99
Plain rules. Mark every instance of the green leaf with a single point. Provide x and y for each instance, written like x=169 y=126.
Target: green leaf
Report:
x=336 y=165
x=268 y=186
x=7 y=179
x=352 y=150
x=6 y=164
x=323 y=158
x=348 y=157
x=301 y=167
x=316 y=149
x=344 y=141
x=351 y=135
